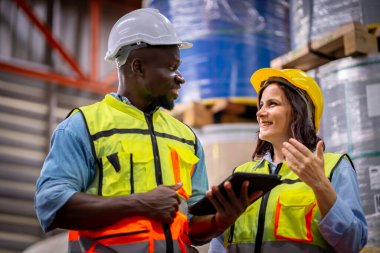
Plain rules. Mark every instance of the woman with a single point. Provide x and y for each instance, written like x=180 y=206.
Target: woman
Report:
x=317 y=207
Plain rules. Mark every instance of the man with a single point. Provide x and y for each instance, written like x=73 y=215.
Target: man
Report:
x=121 y=173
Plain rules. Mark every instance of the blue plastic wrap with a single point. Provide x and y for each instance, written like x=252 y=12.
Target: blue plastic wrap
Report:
x=231 y=40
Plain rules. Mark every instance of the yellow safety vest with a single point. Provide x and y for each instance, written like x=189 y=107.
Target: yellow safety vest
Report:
x=283 y=220
x=135 y=153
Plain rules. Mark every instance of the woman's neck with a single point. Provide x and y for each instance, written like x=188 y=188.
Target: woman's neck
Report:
x=278 y=157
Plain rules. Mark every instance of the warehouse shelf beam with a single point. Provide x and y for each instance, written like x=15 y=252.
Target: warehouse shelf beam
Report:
x=49 y=37
x=84 y=84
x=86 y=81
x=95 y=20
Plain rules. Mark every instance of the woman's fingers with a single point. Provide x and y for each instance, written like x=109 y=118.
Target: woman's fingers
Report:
x=300 y=147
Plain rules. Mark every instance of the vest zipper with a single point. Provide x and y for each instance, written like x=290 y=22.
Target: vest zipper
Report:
x=131 y=178
x=157 y=163
x=157 y=166
x=261 y=222
x=100 y=182
x=231 y=236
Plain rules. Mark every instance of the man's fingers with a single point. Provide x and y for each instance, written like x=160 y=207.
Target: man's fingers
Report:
x=244 y=198
x=255 y=195
x=175 y=187
x=212 y=198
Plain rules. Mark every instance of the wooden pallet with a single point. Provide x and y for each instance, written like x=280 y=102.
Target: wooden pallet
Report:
x=350 y=40
x=202 y=113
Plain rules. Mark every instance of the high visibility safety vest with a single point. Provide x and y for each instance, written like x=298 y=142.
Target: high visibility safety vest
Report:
x=135 y=153
x=284 y=219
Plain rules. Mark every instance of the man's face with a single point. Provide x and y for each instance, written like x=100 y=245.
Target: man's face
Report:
x=162 y=80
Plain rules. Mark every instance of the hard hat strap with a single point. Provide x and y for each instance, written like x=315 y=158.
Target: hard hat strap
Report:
x=123 y=53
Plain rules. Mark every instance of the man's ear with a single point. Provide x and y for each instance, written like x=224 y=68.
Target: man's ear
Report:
x=137 y=67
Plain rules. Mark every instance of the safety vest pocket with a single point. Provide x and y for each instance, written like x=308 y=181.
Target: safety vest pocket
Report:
x=294 y=213
x=182 y=161
x=122 y=173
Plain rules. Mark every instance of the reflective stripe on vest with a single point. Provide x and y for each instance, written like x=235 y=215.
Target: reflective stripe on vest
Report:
x=137 y=234
x=277 y=247
x=289 y=214
x=136 y=152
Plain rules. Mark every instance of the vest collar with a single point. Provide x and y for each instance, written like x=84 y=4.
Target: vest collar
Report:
x=114 y=102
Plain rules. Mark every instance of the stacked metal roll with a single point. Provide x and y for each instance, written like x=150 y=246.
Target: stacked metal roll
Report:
x=351 y=124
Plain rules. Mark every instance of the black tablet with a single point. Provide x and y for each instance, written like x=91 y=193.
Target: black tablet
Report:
x=257 y=182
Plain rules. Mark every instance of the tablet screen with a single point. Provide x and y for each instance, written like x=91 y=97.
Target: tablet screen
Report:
x=257 y=182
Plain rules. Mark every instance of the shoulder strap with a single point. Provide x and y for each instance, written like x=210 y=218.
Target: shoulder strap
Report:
x=73 y=111
x=341 y=156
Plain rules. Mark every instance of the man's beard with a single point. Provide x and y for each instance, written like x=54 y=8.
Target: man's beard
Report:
x=164 y=102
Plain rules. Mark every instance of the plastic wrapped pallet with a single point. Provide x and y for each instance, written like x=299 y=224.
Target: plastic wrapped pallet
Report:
x=351 y=124
x=231 y=40
x=312 y=19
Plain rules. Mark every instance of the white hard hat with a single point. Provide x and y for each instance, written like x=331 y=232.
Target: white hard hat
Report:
x=141 y=26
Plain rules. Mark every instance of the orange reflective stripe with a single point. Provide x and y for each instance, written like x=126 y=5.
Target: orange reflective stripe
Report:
x=132 y=226
x=180 y=231
x=92 y=248
x=277 y=216
x=177 y=173
x=73 y=235
x=118 y=239
x=137 y=229
x=179 y=225
x=308 y=218
x=133 y=233
x=192 y=170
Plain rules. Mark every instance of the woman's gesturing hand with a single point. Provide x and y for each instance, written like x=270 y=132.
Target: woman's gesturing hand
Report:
x=309 y=167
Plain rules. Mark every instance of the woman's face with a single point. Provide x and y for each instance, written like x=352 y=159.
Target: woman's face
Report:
x=274 y=115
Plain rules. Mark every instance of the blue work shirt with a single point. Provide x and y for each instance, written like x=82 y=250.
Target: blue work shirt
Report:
x=344 y=227
x=70 y=167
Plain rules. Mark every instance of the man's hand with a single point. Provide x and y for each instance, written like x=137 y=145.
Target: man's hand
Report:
x=161 y=203
x=229 y=208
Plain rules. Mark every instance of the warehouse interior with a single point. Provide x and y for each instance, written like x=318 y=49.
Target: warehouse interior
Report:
x=52 y=60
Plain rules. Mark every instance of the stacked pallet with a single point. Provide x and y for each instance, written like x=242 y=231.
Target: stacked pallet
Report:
x=353 y=39
x=223 y=110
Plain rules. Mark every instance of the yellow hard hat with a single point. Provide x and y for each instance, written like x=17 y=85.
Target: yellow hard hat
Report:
x=299 y=79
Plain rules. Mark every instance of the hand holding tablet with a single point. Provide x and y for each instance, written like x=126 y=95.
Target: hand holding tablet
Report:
x=257 y=182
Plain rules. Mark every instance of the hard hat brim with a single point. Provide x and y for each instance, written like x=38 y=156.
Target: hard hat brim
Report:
x=263 y=75
x=111 y=57
x=185 y=45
